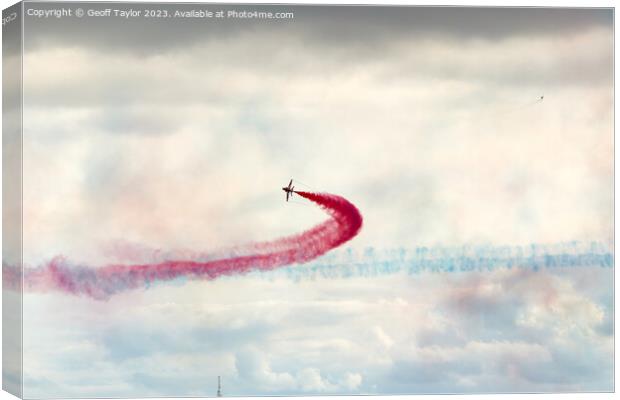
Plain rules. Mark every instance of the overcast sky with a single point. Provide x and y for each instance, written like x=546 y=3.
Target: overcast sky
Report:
x=177 y=134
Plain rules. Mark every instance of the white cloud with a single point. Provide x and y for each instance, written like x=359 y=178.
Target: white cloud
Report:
x=383 y=337
x=436 y=141
x=474 y=155
x=447 y=333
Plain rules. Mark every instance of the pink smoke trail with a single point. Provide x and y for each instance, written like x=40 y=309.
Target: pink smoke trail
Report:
x=101 y=283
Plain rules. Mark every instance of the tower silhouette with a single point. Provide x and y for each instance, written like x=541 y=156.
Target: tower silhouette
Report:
x=219 y=387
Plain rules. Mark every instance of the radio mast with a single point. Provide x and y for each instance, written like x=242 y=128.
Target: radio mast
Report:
x=219 y=387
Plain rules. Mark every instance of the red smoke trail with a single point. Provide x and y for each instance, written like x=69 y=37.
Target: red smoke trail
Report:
x=100 y=283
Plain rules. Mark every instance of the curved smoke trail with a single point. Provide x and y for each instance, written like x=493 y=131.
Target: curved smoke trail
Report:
x=100 y=283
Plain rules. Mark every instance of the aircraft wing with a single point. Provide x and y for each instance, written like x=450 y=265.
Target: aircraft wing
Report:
x=287 y=194
x=290 y=183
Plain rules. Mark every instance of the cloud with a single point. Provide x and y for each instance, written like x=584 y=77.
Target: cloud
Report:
x=109 y=79
x=178 y=138
x=466 y=140
x=499 y=331
x=254 y=368
x=361 y=29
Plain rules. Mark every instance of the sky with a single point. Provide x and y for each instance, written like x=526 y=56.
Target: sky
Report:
x=176 y=135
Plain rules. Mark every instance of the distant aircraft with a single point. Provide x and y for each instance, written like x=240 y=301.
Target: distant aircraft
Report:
x=542 y=97
x=289 y=190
